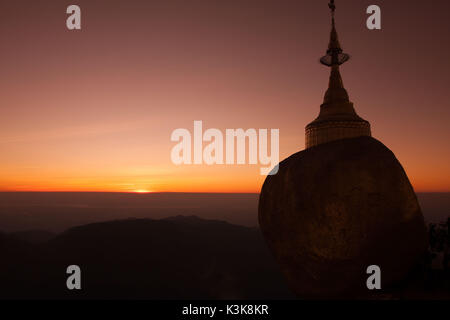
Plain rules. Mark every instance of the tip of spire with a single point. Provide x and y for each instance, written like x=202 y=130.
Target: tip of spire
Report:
x=332 y=6
x=334 y=55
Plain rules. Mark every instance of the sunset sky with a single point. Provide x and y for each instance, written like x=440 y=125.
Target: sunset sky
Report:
x=93 y=110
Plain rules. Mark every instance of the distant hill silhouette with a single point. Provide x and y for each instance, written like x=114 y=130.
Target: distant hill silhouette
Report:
x=57 y=211
x=173 y=258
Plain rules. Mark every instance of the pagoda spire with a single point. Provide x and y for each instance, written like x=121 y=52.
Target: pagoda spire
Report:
x=337 y=118
x=334 y=58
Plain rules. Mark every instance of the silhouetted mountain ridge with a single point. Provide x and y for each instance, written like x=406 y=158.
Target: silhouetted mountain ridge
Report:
x=173 y=258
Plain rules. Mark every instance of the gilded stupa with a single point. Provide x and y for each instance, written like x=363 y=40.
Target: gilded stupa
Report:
x=338 y=118
x=341 y=205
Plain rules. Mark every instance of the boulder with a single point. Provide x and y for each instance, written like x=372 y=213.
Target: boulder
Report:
x=335 y=209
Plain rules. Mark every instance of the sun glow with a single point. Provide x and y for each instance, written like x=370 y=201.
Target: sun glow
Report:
x=142 y=191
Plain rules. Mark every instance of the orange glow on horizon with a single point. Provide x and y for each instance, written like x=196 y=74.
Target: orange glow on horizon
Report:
x=252 y=185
